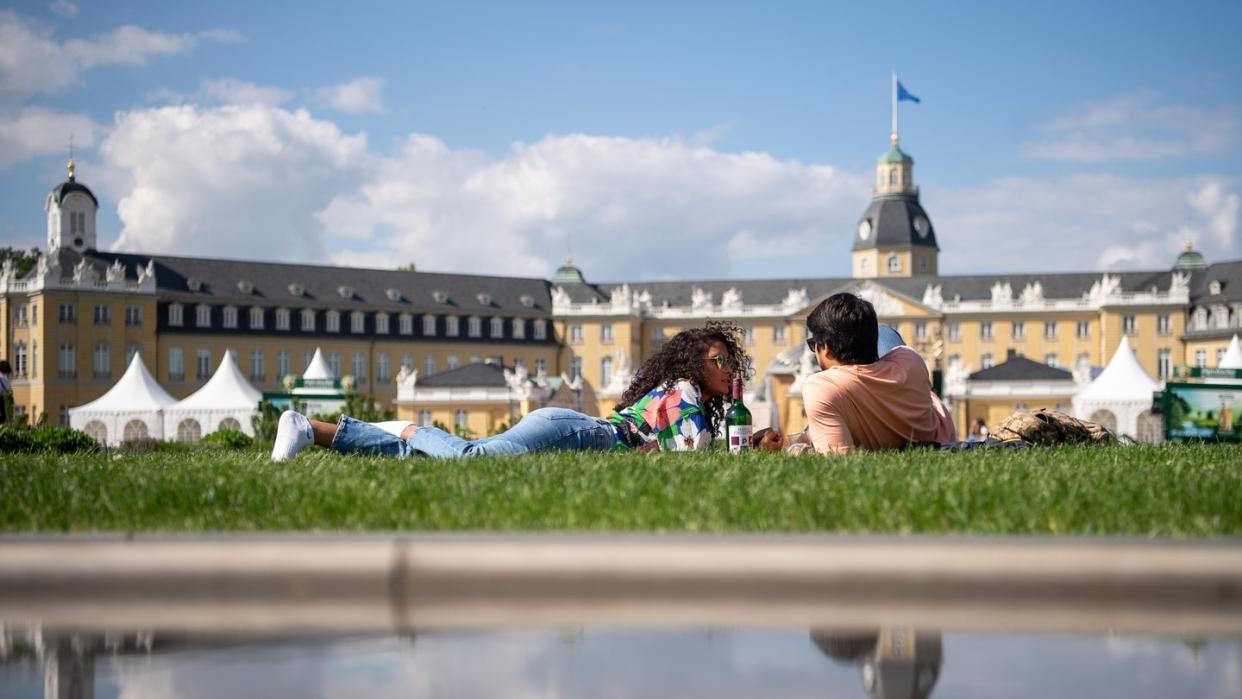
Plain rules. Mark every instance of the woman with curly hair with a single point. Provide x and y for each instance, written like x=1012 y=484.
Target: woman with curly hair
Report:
x=674 y=403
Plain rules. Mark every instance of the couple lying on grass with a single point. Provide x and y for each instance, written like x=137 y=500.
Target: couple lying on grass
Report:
x=872 y=393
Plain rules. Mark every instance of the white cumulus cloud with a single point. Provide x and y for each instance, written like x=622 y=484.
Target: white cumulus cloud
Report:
x=64 y=8
x=32 y=131
x=357 y=96
x=238 y=181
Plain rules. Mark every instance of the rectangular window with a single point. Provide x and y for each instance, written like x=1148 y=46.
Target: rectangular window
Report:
x=657 y=336
x=985 y=361
x=1200 y=358
x=1083 y=359
x=308 y=320
x=229 y=317
x=102 y=315
x=1083 y=331
x=282 y=319
x=19 y=360
x=1128 y=325
x=461 y=419
x=67 y=362
x=357 y=322
x=20 y=319
x=68 y=313
x=1050 y=330
x=359 y=367
x=985 y=330
x=382 y=371
x=424 y=418
x=451 y=362
x=101 y=364
x=498 y=328
x=541 y=366
x=1019 y=329
x=778 y=335
x=429 y=365
x=575 y=334
x=334 y=364
x=405 y=324
x=519 y=329
x=605 y=333
x=202 y=364
x=541 y=329
x=475 y=326
x=575 y=368
x=1050 y=359
x=332 y=322
x=955 y=331
x=202 y=316
x=452 y=326
x=381 y=323
x=749 y=334
x=920 y=330
x=284 y=364
x=258 y=366
x=176 y=364
x=605 y=369
x=256 y=318
x=407 y=361
x=1164 y=324
x=1164 y=363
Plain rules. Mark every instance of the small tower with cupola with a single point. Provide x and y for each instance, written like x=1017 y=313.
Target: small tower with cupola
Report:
x=71 y=208
x=894 y=237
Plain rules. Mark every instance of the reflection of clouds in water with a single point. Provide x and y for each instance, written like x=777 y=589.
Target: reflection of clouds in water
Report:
x=698 y=663
x=984 y=665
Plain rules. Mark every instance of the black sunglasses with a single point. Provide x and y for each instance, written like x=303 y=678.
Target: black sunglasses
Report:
x=812 y=344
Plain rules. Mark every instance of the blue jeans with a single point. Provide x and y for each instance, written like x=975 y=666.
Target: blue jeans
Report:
x=545 y=429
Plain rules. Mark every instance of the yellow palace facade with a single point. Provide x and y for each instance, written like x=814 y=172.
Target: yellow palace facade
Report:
x=476 y=351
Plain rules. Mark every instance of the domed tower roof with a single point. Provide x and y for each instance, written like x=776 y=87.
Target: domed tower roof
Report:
x=568 y=273
x=895 y=217
x=64 y=189
x=1190 y=258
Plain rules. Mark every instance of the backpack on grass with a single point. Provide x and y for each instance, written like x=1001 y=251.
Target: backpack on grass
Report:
x=1048 y=428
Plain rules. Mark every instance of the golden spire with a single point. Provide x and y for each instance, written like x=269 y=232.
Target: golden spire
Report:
x=1190 y=244
x=71 y=156
x=569 y=261
x=894 y=138
x=71 y=169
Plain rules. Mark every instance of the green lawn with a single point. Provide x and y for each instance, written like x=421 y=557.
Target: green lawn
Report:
x=1180 y=491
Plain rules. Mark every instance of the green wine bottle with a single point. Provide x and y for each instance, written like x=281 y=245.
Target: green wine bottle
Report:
x=737 y=422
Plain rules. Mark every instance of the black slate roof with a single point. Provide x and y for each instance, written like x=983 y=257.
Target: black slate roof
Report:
x=892 y=223
x=476 y=374
x=1019 y=368
x=218 y=283
x=1229 y=274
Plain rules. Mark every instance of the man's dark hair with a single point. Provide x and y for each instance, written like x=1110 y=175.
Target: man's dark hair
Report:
x=846 y=324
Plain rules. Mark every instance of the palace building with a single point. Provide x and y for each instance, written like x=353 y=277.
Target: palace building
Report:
x=477 y=351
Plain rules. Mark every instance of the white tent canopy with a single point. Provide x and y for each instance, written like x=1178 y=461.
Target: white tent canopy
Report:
x=1121 y=397
x=318 y=369
x=131 y=409
x=226 y=400
x=1233 y=355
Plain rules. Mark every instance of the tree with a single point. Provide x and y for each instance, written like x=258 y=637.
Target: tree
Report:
x=407 y=267
x=23 y=261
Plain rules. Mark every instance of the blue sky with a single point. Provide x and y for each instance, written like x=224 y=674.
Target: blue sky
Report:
x=701 y=140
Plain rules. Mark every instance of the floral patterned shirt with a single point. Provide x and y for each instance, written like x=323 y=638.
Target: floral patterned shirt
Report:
x=667 y=419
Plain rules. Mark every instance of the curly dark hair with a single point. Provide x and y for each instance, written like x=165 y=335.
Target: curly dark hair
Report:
x=681 y=357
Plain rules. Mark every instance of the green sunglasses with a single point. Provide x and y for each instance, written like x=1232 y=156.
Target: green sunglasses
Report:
x=723 y=360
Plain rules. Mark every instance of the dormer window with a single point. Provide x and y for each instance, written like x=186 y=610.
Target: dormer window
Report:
x=528 y=300
x=297 y=290
x=308 y=320
x=498 y=327
x=282 y=319
x=230 y=317
x=357 y=322
x=381 y=323
x=394 y=295
x=484 y=299
x=1214 y=287
x=202 y=316
x=452 y=326
x=245 y=287
x=519 y=329
x=405 y=324
x=475 y=326
x=440 y=296
x=429 y=325
x=256 y=318
x=894 y=264
x=332 y=322
x=193 y=284
x=346 y=292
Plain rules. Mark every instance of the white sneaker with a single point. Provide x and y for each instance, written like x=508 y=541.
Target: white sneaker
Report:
x=293 y=432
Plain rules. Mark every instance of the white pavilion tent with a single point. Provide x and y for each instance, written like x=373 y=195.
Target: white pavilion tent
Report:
x=132 y=409
x=1120 y=398
x=1233 y=355
x=227 y=400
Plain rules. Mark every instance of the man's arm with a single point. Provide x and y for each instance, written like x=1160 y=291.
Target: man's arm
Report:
x=827 y=427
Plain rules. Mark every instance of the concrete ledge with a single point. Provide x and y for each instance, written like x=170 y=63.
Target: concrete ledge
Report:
x=398 y=583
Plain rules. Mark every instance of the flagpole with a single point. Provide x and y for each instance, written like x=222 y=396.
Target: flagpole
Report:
x=894 y=107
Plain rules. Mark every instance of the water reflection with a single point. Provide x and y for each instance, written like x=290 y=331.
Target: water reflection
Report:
x=892 y=662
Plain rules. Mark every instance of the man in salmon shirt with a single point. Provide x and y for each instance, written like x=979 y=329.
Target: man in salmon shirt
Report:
x=861 y=400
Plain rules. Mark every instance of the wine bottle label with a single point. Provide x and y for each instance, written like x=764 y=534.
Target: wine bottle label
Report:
x=739 y=437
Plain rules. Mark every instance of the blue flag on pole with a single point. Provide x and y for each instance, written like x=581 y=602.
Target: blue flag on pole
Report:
x=903 y=94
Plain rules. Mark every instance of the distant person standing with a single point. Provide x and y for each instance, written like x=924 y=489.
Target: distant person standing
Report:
x=6 y=391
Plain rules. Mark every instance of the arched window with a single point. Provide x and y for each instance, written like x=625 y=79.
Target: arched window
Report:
x=229 y=423
x=894 y=263
x=1105 y=418
x=135 y=430
x=892 y=177
x=605 y=370
x=189 y=431
x=1150 y=428
x=97 y=431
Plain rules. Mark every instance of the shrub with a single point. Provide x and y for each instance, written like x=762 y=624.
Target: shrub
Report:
x=228 y=439
x=59 y=440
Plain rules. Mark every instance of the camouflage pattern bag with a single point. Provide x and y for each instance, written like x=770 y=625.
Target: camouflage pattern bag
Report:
x=1048 y=428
